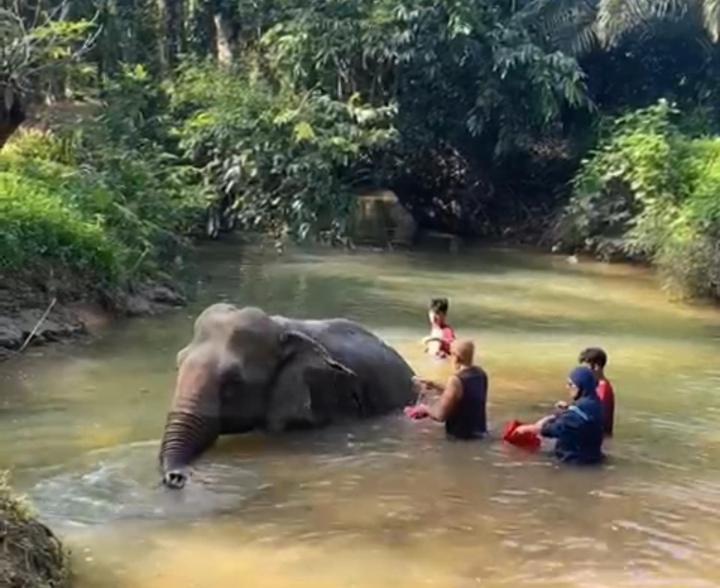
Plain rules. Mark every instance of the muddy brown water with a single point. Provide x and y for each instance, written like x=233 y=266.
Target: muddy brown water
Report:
x=387 y=502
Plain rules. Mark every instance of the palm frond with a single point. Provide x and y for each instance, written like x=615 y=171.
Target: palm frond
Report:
x=711 y=18
x=568 y=25
x=618 y=18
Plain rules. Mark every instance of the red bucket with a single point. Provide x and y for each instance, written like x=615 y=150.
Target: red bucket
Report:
x=529 y=441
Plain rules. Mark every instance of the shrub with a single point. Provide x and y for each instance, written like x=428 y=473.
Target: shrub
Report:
x=97 y=199
x=288 y=157
x=630 y=172
x=36 y=224
x=129 y=150
x=656 y=193
x=110 y=179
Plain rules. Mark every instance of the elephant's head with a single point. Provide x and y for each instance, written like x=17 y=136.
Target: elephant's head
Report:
x=242 y=370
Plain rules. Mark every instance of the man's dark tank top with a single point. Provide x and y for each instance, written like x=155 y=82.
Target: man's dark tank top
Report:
x=468 y=420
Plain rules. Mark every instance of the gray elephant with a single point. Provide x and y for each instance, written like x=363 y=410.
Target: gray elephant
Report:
x=245 y=370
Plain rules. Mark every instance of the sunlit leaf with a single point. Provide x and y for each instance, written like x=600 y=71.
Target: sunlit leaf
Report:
x=303 y=131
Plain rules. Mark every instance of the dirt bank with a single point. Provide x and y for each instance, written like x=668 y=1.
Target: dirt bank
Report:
x=32 y=313
x=30 y=554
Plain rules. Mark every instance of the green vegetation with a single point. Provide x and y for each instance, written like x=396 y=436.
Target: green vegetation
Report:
x=104 y=203
x=32 y=556
x=285 y=155
x=488 y=118
x=35 y=222
x=329 y=96
x=652 y=192
x=10 y=502
x=34 y=42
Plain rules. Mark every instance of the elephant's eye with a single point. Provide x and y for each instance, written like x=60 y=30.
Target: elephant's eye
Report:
x=232 y=375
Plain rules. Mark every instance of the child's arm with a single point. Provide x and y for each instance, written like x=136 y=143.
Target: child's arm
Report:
x=429 y=384
x=435 y=335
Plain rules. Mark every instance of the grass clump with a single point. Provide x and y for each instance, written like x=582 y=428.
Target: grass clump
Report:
x=36 y=223
x=30 y=555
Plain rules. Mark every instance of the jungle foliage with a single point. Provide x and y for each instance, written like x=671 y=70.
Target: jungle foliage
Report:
x=478 y=113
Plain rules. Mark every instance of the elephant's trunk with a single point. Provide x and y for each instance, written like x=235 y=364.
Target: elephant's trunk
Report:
x=186 y=437
x=193 y=422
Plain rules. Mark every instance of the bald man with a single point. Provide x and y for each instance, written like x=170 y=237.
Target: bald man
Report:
x=463 y=399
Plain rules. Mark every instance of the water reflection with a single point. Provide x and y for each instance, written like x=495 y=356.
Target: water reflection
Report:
x=389 y=502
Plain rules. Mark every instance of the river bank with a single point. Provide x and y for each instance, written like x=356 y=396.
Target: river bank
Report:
x=32 y=556
x=36 y=313
x=90 y=229
x=79 y=310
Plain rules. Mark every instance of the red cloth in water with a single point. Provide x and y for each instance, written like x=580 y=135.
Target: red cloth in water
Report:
x=607 y=396
x=415 y=412
x=525 y=440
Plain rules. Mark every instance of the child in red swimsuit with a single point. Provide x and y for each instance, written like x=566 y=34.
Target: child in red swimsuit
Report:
x=441 y=334
x=596 y=359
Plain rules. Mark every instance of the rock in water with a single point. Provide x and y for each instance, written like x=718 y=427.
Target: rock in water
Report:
x=378 y=218
x=30 y=554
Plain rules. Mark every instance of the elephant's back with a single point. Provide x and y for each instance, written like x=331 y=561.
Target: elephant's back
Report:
x=386 y=377
x=353 y=344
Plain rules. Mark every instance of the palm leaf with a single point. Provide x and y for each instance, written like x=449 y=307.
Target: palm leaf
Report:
x=711 y=18
x=568 y=25
x=617 y=18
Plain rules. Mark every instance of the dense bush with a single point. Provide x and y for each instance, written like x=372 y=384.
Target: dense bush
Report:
x=476 y=112
x=287 y=157
x=105 y=199
x=650 y=191
x=37 y=224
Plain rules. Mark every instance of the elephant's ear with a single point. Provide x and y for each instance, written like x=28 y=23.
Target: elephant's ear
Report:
x=296 y=343
x=311 y=387
x=181 y=355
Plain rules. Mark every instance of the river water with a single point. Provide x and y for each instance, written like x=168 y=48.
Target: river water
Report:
x=388 y=502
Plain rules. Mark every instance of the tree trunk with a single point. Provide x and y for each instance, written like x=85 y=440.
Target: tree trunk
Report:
x=223 y=39
x=174 y=31
x=160 y=36
x=10 y=120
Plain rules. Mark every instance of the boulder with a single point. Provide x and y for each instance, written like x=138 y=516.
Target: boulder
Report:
x=11 y=335
x=378 y=218
x=148 y=299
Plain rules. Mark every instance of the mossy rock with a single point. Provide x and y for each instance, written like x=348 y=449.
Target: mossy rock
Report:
x=378 y=218
x=30 y=554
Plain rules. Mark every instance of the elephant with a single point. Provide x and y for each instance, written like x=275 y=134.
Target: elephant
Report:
x=246 y=370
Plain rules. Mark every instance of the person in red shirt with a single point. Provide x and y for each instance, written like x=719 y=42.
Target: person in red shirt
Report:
x=441 y=333
x=596 y=359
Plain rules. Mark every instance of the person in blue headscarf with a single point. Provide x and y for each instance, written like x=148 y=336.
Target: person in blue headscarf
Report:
x=577 y=428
